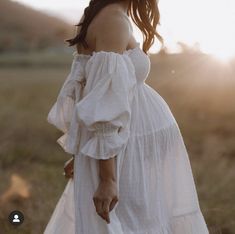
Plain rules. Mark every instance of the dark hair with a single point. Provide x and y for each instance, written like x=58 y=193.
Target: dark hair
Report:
x=145 y=14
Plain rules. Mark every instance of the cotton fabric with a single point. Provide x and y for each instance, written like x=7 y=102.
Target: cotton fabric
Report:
x=118 y=115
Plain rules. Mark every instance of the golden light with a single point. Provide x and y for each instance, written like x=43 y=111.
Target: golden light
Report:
x=223 y=56
x=209 y=22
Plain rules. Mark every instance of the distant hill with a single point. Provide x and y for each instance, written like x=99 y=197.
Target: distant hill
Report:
x=23 y=28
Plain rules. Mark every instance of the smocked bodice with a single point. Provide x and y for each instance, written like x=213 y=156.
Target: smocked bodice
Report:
x=139 y=59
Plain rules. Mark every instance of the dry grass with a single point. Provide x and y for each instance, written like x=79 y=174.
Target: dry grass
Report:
x=200 y=93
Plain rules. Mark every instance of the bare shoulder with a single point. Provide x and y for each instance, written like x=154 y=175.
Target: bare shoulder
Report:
x=112 y=30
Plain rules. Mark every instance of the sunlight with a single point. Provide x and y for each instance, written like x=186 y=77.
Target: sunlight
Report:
x=220 y=37
x=224 y=56
x=209 y=22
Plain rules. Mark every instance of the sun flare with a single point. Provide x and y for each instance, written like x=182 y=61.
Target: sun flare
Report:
x=208 y=22
x=223 y=56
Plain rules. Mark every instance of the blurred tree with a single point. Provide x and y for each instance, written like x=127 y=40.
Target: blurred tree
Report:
x=187 y=49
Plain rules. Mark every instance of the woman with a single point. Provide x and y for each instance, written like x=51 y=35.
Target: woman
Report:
x=131 y=169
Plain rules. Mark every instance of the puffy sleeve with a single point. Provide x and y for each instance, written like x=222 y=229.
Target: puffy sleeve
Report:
x=105 y=109
x=62 y=114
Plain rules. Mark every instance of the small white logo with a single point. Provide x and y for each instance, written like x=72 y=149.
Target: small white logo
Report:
x=16 y=217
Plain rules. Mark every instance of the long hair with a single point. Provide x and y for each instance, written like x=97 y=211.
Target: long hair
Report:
x=145 y=14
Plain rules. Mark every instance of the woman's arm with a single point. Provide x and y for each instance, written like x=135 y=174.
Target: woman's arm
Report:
x=112 y=34
x=107 y=170
x=106 y=197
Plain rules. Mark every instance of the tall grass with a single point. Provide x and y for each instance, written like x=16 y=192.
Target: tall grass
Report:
x=200 y=95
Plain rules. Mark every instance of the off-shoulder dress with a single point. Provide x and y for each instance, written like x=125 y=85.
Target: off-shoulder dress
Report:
x=118 y=115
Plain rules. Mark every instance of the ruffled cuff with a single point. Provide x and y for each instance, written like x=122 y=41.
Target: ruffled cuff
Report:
x=68 y=143
x=107 y=142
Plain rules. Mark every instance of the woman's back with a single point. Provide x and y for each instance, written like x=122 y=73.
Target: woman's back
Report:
x=110 y=16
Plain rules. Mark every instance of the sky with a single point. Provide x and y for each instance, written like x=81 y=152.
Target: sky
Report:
x=210 y=23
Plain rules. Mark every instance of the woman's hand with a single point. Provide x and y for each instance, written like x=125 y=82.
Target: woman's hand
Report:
x=68 y=168
x=105 y=198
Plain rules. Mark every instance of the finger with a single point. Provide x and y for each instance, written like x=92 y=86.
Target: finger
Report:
x=68 y=170
x=98 y=206
x=113 y=203
x=105 y=208
x=69 y=174
x=69 y=164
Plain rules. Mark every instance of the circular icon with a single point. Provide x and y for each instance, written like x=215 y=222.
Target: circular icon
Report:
x=16 y=217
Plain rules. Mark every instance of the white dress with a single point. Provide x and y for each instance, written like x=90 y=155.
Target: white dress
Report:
x=119 y=114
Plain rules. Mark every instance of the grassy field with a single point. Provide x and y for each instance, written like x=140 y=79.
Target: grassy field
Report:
x=200 y=93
